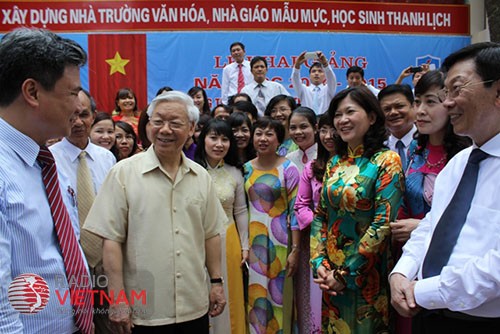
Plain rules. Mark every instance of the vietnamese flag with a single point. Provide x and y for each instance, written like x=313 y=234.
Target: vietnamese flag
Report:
x=117 y=61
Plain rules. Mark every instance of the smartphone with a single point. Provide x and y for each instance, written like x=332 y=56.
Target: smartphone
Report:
x=311 y=55
x=415 y=69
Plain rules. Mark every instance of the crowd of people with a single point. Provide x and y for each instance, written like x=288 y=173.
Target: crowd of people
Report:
x=265 y=214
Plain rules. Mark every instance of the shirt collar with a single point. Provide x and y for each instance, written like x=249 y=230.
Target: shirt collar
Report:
x=407 y=138
x=257 y=84
x=357 y=152
x=150 y=162
x=74 y=151
x=219 y=165
x=310 y=152
x=492 y=146
x=25 y=147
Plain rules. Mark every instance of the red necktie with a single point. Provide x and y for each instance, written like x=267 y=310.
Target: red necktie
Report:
x=76 y=270
x=241 y=78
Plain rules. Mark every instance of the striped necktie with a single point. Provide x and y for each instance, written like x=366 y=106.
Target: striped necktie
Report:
x=241 y=78
x=76 y=270
x=260 y=103
x=91 y=243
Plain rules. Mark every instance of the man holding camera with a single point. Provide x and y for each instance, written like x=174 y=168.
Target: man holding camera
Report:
x=317 y=95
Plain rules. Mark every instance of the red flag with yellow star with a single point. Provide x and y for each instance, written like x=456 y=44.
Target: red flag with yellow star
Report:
x=117 y=61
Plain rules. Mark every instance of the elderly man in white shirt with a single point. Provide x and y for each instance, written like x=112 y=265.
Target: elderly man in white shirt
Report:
x=317 y=95
x=455 y=251
x=261 y=90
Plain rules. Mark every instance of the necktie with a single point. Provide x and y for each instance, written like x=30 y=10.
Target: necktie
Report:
x=76 y=270
x=241 y=78
x=316 y=100
x=260 y=103
x=451 y=222
x=402 y=153
x=91 y=244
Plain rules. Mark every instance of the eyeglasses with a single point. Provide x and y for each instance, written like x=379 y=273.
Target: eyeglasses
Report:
x=444 y=93
x=324 y=132
x=173 y=125
x=127 y=137
x=281 y=109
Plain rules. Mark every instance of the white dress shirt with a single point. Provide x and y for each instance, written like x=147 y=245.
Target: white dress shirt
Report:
x=406 y=140
x=99 y=160
x=28 y=241
x=230 y=79
x=306 y=93
x=470 y=282
x=372 y=89
x=269 y=88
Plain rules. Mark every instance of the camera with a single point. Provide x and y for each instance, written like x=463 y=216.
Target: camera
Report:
x=310 y=55
x=415 y=69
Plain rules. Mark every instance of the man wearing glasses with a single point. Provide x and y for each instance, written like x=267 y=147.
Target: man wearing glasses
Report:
x=160 y=220
x=455 y=251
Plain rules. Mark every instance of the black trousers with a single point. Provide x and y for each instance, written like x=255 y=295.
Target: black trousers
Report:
x=198 y=326
x=448 y=322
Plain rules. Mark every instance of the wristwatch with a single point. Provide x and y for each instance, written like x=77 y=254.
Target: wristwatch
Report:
x=218 y=280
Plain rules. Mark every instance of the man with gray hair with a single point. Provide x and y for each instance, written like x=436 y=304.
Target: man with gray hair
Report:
x=160 y=220
x=39 y=86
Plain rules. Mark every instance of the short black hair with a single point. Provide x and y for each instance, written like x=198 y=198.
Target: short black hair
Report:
x=403 y=89
x=277 y=99
x=315 y=64
x=38 y=54
x=486 y=57
x=355 y=69
x=257 y=59
x=236 y=43
x=247 y=107
x=164 y=89
x=267 y=122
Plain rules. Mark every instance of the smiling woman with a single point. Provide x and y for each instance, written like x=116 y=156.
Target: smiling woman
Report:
x=126 y=108
x=350 y=235
x=126 y=141
x=279 y=108
x=102 y=132
x=271 y=185
x=216 y=151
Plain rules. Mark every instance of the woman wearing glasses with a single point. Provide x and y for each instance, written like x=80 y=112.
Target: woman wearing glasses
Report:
x=434 y=145
x=279 y=108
